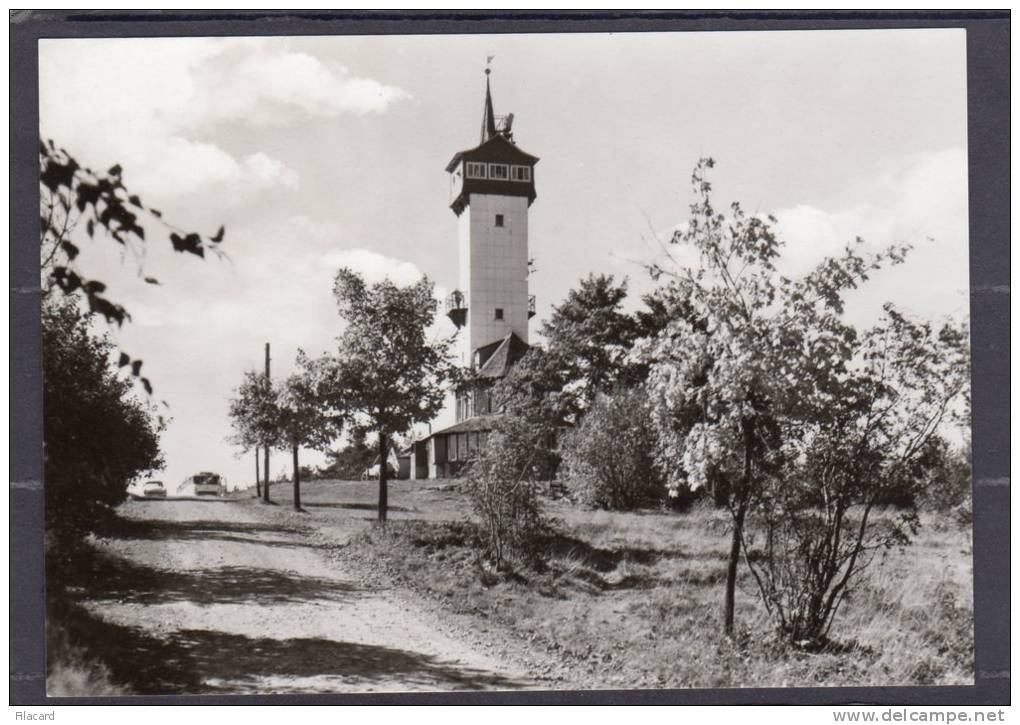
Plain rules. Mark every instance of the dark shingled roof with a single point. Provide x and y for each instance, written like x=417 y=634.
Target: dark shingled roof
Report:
x=498 y=357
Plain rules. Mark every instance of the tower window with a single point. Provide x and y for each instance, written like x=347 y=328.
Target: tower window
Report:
x=499 y=220
x=499 y=313
x=499 y=171
x=475 y=170
x=520 y=173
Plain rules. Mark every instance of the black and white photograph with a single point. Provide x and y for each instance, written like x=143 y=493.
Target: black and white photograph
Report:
x=506 y=362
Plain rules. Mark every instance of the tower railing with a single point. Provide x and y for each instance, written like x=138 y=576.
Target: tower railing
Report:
x=456 y=307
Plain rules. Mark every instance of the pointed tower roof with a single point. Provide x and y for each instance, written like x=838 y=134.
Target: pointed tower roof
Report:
x=488 y=116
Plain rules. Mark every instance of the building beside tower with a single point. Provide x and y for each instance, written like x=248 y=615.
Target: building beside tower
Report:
x=491 y=188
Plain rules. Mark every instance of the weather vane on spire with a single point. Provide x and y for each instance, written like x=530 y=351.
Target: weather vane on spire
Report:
x=488 y=61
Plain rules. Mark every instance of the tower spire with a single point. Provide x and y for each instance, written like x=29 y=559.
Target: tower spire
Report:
x=488 y=116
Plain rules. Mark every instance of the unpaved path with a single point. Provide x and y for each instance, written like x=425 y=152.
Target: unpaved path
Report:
x=214 y=598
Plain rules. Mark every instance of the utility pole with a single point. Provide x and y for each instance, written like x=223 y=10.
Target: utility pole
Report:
x=265 y=449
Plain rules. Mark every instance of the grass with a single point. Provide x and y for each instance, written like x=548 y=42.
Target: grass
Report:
x=634 y=599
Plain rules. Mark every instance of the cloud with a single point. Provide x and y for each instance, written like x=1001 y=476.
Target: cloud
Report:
x=263 y=86
x=374 y=267
x=154 y=105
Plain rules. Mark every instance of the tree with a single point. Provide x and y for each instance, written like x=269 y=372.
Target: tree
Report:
x=588 y=340
x=609 y=458
x=590 y=337
x=97 y=435
x=750 y=351
x=873 y=439
x=71 y=194
x=255 y=417
x=302 y=417
x=387 y=374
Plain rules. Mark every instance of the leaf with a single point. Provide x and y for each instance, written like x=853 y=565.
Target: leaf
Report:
x=124 y=360
x=219 y=235
x=151 y=280
x=136 y=201
x=136 y=367
x=115 y=170
x=147 y=385
x=69 y=249
x=90 y=227
x=156 y=213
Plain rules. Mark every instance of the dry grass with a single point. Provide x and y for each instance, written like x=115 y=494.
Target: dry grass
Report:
x=634 y=599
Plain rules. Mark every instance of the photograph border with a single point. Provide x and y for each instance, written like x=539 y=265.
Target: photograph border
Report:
x=988 y=136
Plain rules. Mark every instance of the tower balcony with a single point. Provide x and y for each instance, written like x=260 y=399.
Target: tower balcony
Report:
x=456 y=308
x=531 y=306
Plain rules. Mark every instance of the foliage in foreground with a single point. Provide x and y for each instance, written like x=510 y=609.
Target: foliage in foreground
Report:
x=97 y=435
x=609 y=459
x=761 y=392
x=502 y=485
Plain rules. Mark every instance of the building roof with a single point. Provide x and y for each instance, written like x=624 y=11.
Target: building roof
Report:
x=474 y=424
x=498 y=148
x=496 y=358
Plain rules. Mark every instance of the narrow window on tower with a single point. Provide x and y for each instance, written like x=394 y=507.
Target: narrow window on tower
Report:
x=475 y=170
x=499 y=220
x=499 y=313
x=499 y=171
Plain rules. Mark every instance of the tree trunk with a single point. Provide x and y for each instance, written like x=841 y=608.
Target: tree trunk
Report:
x=297 y=481
x=731 y=566
x=258 y=483
x=742 y=495
x=265 y=473
x=383 y=451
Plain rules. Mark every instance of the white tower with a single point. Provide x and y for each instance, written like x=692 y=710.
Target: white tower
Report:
x=492 y=186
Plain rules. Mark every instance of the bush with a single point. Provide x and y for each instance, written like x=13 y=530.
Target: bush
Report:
x=502 y=486
x=608 y=459
x=97 y=436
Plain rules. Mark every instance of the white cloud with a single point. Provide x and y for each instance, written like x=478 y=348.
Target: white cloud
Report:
x=261 y=87
x=374 y=267
x=152 y=105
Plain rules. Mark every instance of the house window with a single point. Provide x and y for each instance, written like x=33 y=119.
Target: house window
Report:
x=520 y=173
x=475 y=170
x=499 y=220
x=499 y=313
x=499 y=171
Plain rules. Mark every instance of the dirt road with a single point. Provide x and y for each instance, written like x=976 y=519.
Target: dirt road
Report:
x=210 y=597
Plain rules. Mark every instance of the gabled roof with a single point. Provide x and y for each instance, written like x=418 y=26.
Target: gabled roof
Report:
x=497 y=148
x=498 y=357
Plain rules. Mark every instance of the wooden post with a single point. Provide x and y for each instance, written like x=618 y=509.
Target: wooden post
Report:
x=297 y=481
x=265 y=449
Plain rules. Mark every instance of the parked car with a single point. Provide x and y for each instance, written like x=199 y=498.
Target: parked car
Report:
x=153 y=489
x=201 y=484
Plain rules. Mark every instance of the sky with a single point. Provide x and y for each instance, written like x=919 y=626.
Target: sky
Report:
x=322 y=152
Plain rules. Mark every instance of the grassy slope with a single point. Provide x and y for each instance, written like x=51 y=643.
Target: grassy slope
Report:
x=633 y=599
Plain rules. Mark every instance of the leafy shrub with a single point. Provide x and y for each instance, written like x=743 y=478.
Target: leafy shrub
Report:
x=608 y=460
x=501 y=483
x=97 y=436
